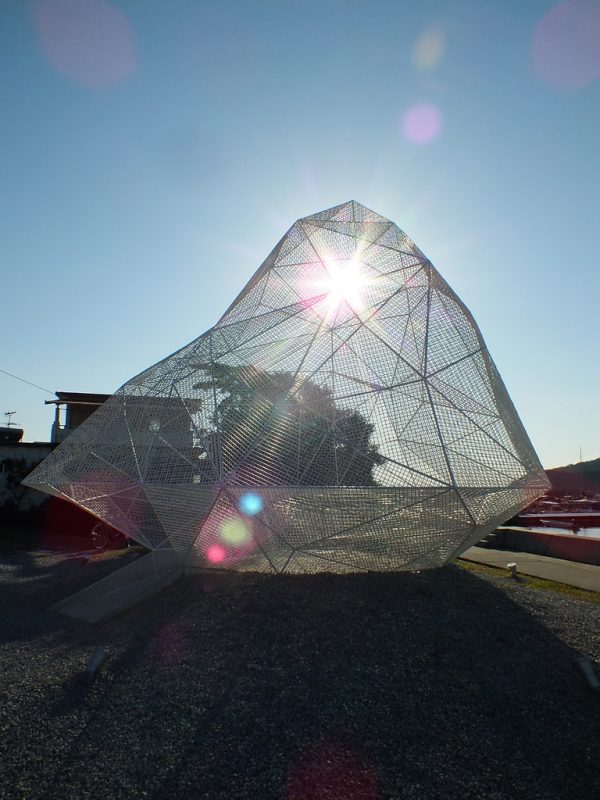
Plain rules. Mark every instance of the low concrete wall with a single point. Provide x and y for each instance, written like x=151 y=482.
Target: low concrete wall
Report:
x=569 y=546
x=16 y=461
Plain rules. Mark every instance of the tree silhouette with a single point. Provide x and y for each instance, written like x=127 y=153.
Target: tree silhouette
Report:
x=298 y=431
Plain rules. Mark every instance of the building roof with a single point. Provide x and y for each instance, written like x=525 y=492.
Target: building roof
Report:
x=83 y=398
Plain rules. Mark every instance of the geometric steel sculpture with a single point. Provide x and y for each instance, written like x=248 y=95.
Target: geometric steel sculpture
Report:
x=343 y=415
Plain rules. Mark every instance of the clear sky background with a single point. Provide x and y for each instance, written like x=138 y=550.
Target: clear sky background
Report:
x=152 y=153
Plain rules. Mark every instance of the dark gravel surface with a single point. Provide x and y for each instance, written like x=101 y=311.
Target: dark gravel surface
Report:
x=443 y=684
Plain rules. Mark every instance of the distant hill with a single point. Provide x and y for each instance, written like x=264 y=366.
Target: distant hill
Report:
x=576 y=478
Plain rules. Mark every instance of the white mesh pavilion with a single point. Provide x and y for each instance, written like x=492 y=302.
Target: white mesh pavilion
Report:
x=343 y=415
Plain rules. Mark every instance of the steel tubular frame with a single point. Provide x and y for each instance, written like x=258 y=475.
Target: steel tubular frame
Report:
x=318 y=426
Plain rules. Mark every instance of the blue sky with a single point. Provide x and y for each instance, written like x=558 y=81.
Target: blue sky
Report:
x=152 y=153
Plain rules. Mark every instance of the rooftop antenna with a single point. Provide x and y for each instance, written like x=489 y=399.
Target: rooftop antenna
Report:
x=9 y=414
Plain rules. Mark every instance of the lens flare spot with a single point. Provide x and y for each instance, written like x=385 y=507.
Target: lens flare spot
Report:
x=422 y=123
x=332 y=771
x=234 y=532
x=251 y=504
x=215 y=554
x=428 y=49
x=170 y=645
x=90 y=42
x=566 y=44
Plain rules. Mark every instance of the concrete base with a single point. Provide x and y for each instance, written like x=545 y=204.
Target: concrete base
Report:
x=124 y=588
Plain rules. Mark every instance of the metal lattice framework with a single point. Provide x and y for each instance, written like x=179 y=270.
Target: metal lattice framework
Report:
x=344 y=414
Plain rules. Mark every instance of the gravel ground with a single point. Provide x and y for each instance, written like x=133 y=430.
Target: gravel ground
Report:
x=443 y=684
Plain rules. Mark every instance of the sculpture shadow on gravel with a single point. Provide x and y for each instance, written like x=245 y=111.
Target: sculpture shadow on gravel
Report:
x=237 y=685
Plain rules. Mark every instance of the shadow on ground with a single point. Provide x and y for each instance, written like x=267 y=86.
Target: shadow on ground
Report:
x=431 y=685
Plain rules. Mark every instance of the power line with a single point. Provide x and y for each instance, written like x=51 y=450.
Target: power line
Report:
x=29 y=383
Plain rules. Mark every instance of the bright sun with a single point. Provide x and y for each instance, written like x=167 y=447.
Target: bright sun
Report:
x=344 y=284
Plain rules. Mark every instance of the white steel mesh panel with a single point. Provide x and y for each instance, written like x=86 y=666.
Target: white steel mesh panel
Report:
x=344 y=414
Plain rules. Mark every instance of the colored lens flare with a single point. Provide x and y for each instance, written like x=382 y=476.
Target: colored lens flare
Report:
x=216 y=554
x=170 y=644
x=422 y=123
x=229 y=538
x=234 y=532
x=428 y=49
x=251 y=504
x=334 y=772
x=566 y=44
x=90 y=42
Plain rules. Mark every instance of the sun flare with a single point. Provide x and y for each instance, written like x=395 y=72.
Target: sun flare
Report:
x=345 y=283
